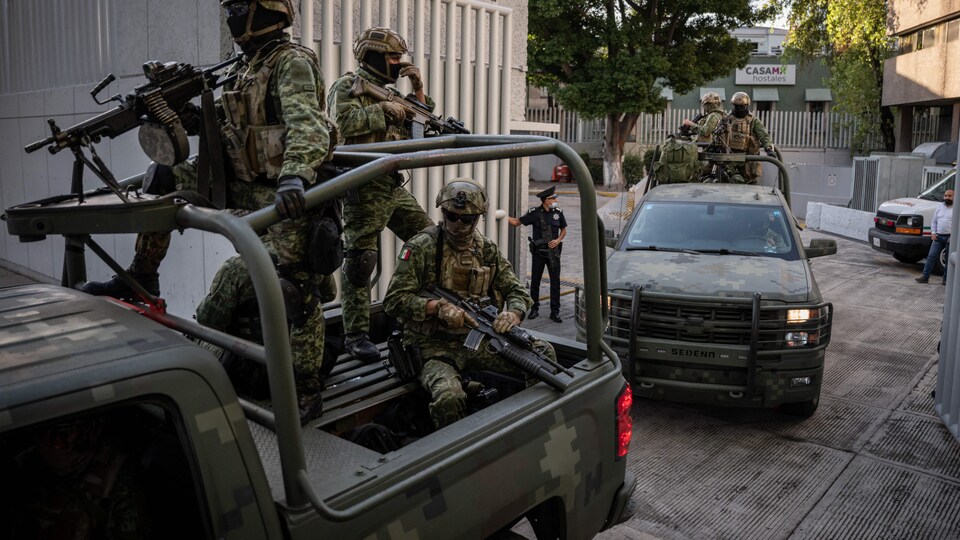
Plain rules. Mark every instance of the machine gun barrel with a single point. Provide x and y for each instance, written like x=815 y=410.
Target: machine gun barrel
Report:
x=515 y=345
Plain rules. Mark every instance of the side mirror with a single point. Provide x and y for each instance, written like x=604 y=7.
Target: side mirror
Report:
x=609 y=239
x=820 y=247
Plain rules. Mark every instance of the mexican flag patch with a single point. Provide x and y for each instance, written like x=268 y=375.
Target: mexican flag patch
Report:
x=405 y=254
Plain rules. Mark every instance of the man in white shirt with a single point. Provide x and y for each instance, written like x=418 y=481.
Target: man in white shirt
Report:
x=940 y=236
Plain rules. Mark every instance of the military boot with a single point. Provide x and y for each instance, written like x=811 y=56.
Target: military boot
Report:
x=309 y=400
x=360 y=347
x=118 y=288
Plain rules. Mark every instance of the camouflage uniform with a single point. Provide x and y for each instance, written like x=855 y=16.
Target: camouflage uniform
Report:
x=231 y=293
x=746 y=135
x=381 y=203
x=296 y=93
x=442 y=349
x=713 y=113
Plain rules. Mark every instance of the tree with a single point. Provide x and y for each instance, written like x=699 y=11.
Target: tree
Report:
x=851 y=36
x=610 y=58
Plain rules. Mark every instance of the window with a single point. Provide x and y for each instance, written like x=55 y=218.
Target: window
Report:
x=128 y=461
x=929 y=38
x=908 y=43
x=953 y=31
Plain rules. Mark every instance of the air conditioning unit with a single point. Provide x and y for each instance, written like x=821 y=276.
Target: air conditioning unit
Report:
x=882 y=176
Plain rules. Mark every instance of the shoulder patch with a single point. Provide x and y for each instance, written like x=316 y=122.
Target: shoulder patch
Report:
x=405 y=253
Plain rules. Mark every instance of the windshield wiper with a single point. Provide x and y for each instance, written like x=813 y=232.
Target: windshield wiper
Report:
x=656 y=248
x=727 y=252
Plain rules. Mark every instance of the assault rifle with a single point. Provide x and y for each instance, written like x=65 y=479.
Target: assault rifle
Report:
x=515 y=345
x=424 y=122
x=684 y=131
x=163 y=108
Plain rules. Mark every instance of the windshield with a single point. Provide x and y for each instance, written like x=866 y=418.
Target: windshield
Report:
x=718 y=228
x=935 y=192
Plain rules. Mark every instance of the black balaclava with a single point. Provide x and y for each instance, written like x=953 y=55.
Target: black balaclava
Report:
x=376 y=63
x=262 y=18
x=741 y=110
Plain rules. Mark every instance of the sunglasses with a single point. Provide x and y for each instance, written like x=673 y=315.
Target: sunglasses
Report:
x=237 y=9
x=468 y=219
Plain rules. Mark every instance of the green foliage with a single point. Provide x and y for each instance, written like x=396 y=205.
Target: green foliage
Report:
x=851 y=36
x=633 y=169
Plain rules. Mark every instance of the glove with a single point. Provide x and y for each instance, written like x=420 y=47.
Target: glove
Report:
x=505 y=321
x=770 y=151
x=394 y=113
x=290 y=201
x=412 y=72
x=452 y=316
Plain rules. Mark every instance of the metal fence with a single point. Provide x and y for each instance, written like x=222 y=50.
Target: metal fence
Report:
x=789 y=129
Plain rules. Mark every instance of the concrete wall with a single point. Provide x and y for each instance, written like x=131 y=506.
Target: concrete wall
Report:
x=927 y=75
x=838 y=220
x=906 y=15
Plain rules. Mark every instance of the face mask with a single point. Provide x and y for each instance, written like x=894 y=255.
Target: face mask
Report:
x=459 y=233
x=740 y=110
x=553 y=206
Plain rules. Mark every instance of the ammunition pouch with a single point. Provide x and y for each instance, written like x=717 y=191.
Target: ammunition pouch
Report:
x=246 y=322
x=324 y=239
x=359 y=266
x=406 y=360
x=293 y=292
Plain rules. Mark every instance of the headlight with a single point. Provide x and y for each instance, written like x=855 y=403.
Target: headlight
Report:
x=801 y=315
x=797 y=339
x=914 y=221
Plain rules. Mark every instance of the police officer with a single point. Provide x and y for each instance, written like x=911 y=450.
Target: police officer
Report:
x=549 y=229
x=746 y=134
x=276 y=135
x=456 y=256
x=383 y=202
x=708 y=120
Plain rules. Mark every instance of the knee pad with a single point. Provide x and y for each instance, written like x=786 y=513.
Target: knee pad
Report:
x=159 y=180
x=359 y=267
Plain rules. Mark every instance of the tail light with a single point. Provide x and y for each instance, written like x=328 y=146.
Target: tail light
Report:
x=624 y=421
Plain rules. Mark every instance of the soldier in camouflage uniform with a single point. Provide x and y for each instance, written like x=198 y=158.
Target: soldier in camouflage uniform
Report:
x=704 y=127
x=383 y=202
x=746 y=134
x=456 y=256
x=275 y=134
x=77 y=486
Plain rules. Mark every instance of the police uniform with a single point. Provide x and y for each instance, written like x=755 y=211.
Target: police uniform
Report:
x=546 y=226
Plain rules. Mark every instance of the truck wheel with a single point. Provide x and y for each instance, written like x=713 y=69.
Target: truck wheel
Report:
x=803 y=409
x=908 y=259
x=940 y=264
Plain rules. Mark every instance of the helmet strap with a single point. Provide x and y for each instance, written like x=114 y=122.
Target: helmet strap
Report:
x=250 y=32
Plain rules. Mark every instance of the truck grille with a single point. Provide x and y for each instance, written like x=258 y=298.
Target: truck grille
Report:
x=886 y=222
x=711 y=322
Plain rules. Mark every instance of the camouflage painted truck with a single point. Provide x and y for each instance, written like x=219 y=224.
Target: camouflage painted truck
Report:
x=714 y=300
x=220 y=466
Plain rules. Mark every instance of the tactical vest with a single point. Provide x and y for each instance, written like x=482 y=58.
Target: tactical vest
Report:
x=463 y=272
x=739 y=137
x=707 y=136
x=255 y=137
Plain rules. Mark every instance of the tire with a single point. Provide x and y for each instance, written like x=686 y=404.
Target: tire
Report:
x=940 y=263
x=907 y=258
x=803 y=409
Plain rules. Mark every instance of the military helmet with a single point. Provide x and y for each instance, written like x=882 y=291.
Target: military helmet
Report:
x=463 y=196
x=284 y=7
x=710 y=98
x=740 y=98
x=379 y=39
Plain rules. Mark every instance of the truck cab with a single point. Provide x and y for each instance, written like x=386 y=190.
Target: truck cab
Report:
x=902 y=226
x=213 y=464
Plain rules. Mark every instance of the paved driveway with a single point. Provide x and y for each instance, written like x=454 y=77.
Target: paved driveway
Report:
x=873 y=462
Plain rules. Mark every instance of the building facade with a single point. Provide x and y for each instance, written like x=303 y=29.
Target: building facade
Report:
x=923 y=75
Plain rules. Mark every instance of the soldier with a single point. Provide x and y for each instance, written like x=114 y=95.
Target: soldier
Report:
x=456 y=256
x=382 y=202
x=77 y=485
x=549 y=229
x=276 y=135
x=706 y=123
x=746 y=134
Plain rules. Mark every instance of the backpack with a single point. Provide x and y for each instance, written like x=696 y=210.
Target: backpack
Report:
x=677 y=163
